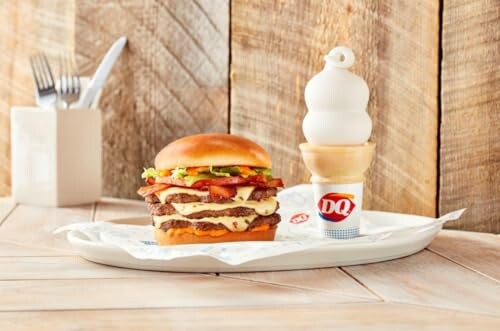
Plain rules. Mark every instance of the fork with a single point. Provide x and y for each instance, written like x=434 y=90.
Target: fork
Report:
x=45 y=89
x=69 y=87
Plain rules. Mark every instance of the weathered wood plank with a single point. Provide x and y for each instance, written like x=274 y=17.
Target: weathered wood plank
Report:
x=428 y=279
x=27 y=27
x=478 y=251
x=64 y=267
x=360 y=316
x=329 y=280
x=470 y=103
x=109 y=208
x=16 y=249
x=278 y=45
x=171 y=80
x=173 y=290
x=45 y=220
x=6 y=206
x=34 y=225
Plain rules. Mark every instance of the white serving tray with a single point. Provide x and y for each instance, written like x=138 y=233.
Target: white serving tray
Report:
x=419 y=233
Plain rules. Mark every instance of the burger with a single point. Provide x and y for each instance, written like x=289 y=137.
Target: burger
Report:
x=211 y=188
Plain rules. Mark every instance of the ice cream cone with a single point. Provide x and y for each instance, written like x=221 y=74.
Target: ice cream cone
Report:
x=337 y=164
x=337 y=177
x=337 y=153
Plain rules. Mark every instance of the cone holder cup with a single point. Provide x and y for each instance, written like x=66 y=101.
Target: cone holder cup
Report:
x=338 y=174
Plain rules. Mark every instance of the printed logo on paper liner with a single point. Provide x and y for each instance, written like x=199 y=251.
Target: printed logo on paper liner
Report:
x=299 y=218
x=336 y=207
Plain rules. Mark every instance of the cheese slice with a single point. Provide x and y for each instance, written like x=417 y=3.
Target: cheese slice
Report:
x=262 y=207
x=243 y=193
x=240 y=223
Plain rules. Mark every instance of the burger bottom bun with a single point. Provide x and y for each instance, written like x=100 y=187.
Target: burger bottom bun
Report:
x=163 y=239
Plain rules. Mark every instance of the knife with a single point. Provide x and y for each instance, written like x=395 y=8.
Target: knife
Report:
x=102 y=73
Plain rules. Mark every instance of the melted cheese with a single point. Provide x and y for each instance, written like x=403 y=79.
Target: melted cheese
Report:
x=243 y=193
x=263 y=227
x=162 y=195
x=232 y=223
x=263 y=207
x=212 y=233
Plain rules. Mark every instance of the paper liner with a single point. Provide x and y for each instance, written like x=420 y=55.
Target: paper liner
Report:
x=296 y=232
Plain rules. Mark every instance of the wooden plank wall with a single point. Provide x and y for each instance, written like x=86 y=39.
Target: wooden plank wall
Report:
x=470 y=103
x=278 y=45
x=27 y=27
x=170 y=82
x=203 y=65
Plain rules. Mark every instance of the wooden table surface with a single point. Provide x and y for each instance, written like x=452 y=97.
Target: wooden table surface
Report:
x=44 y=285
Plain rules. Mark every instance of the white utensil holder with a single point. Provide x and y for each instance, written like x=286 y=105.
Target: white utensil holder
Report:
x=56 y=156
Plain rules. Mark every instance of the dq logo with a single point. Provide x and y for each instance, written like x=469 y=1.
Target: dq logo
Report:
x=299 y=218
x=335 y=207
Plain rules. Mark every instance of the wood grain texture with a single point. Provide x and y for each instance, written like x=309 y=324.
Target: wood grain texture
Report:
x=16 y=249
x=428 y=279
x=331 y=280
x=176 y=290
x=34 y=226
x=6 y=206
x=64 y=267
x=278 y=45
x=360 y=316
x=477 y=251
x=424 y=291
x=470 y=103
x=171 y=80
x=27 y=27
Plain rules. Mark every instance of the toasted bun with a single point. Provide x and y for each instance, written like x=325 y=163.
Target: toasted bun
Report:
x=163 y=239
x=212 y=149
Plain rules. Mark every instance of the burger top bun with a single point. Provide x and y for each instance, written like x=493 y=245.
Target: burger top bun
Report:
x=212 y=149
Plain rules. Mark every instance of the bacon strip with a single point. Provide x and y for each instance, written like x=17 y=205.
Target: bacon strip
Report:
x=257 y=180
x=144 y=191
x=275 y=182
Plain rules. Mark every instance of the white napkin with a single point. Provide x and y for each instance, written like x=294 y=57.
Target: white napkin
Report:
x=296 y=232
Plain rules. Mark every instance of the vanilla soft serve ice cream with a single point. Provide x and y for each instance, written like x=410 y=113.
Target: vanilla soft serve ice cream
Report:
x=336 y=100
x=337 y=153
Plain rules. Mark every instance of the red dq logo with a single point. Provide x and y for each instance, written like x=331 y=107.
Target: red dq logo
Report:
x=335 y=207
x=299 y=218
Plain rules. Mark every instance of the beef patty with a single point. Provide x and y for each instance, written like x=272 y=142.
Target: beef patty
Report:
x=257 y=195
x=272 y=220
x=158 y=209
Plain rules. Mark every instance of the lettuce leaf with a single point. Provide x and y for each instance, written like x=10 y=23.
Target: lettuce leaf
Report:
x=150 y=173
x=224 y=171
x=264 y=171
x=213 y=172
x=179 y=172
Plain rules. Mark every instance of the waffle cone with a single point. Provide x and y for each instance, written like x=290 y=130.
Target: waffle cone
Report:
x=337 y=164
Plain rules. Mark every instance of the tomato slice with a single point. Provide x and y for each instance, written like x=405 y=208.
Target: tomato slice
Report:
x=221 y=192
x=150 y=180
x=150 y=189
